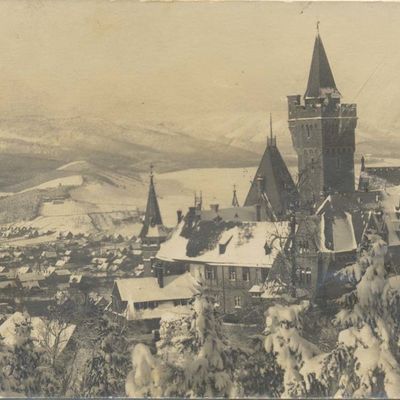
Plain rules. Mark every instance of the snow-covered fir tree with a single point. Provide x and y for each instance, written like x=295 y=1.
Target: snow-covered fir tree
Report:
x=106 y=369
x=364 y=361
x=23 y=361
x=193 y=356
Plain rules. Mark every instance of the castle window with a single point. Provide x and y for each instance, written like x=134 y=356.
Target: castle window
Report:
x=312 y=164
x=308 y=132
x=338 y=162
x=308 y=276
x=232 y=273
x=210 y=273
x=245 y=274
x=238 y=301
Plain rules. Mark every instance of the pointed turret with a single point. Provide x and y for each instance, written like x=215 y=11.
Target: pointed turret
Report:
x=272 y=187
x=320 y=80
x=153 y=215
x=235 y=201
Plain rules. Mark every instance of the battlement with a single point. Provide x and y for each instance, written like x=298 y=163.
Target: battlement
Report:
x=333 y=109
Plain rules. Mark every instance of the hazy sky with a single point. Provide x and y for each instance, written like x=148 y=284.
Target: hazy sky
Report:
x=128 y=60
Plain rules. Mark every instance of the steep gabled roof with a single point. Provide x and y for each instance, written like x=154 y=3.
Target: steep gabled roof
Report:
x=216 y=243
x=277 y=187
x=153 y=215
x=320 y=79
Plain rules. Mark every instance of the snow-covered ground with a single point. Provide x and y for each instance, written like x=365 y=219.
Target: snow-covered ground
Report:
x=73 y=180
x=100 y=198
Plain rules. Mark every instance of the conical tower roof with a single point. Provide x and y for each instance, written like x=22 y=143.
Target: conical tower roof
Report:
x=320 y=79
x=272 y=184
x=153 y=215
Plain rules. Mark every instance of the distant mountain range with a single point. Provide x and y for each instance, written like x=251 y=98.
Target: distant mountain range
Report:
x=33 y=145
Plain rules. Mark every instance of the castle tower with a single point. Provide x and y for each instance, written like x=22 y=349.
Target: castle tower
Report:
x=323 y=133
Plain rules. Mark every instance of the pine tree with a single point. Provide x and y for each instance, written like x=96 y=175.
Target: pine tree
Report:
x=257 y=372
x=106 y=370
x=23 y=361
x=193 y=358
x=284 y=340
x=365 y=360
x=146 y=378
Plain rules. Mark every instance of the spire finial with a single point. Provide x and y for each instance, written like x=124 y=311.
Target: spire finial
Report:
x=270 y=126
x=271 y=141
x=318 y=22
x=151 y=172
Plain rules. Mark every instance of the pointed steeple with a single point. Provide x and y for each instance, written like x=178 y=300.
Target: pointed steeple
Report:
x=320 y=79
x=153 y=214
x=271 y=140
x=235 y=201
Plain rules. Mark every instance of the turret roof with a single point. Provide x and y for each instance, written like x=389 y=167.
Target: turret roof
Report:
x=153 y=215
x=320 y=79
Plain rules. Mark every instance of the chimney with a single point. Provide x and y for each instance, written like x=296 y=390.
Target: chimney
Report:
x=179 y=215
x=214 y=207
x=160 y=277
x=191 y=215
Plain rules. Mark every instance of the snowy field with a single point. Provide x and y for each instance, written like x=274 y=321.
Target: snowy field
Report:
x=108 y=201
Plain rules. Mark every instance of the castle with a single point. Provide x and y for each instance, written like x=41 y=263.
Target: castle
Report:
x=288 y=237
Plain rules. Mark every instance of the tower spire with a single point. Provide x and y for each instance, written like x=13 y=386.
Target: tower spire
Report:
x=235 y=201
x=271 y=141
x=320 y=80
x=270 y=125
x=153 y=214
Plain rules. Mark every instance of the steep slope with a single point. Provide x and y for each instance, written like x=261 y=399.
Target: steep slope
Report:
x=124 y=148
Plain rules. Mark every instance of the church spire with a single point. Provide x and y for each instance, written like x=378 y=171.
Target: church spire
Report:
x=153 y=214
x=235 y=201
x=271 y=141
x=320 y=79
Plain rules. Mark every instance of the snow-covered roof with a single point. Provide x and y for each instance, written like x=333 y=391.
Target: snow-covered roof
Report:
x=339 y=236
x=75 y=278
x=31 y=276
x=156 y=231
x=176 y=287
x=230 y=214
x=162 y=311
x=23 y=270
x=256 y=289
x=60 y=263
x=244 y=245
x=41 y=334
x=62 y=272
x=7 y=284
